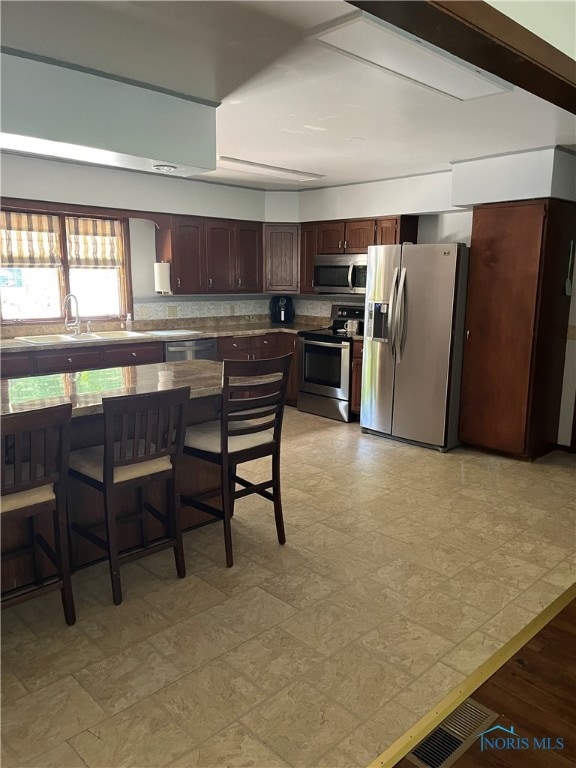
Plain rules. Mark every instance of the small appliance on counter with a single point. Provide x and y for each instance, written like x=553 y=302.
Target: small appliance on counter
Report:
x=281 y=309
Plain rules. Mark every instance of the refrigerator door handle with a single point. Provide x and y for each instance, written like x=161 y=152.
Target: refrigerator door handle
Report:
x=391 y=308
x=399 y=320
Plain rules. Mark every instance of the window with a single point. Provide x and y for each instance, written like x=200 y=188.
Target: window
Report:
x=46 y=256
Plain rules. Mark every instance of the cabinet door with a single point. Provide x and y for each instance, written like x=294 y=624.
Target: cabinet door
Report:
x=132 y=354
x=64 y=360
x=220 y=255
x=17 y=364
x=359 y=235
x=281 y=258
x=189 y=255
x=331 y=236
x=387 y=231
x=500 y=318
x=308 y=251
x=248 y=256
x=357 y=351
x=265 y=346
x=234 y=348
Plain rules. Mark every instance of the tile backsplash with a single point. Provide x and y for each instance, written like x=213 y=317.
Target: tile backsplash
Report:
x=224 y=308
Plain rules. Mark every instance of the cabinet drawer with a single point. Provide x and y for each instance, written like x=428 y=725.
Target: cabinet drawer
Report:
x=60 y=362
x=234 y=348
x=265 y=346
x=133 y=354
x=18 y=364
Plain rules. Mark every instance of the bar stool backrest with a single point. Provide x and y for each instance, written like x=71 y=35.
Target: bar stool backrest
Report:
x=143 y=427
x=35 y=448
x=253 y=393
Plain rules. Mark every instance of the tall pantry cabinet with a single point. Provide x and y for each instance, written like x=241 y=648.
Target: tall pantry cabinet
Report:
x=516 y=325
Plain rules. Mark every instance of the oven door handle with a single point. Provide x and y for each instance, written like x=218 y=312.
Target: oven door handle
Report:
x=324 y=344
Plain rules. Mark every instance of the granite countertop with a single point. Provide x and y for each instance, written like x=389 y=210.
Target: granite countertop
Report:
x=86 y=389
x=240 y=329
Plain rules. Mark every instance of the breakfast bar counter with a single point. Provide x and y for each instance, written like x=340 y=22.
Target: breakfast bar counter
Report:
x=85 y=390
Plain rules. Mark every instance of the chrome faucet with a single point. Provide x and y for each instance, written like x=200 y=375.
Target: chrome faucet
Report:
x=69 y=326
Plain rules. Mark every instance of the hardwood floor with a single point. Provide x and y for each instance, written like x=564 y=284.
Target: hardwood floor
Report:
x=534 y=692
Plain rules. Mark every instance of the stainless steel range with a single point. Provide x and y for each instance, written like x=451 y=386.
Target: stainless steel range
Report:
x=325 y=364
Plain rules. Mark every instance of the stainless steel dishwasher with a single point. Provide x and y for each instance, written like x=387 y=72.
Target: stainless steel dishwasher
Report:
x=194 y=349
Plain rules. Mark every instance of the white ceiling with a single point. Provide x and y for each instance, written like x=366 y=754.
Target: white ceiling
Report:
x=285 y=101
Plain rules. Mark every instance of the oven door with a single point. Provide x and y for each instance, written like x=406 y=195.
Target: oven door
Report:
x=325 y=368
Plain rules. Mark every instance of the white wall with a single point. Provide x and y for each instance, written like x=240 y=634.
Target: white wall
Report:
x=446 y=228
x=143 y=256
x=506 y=177
x=33 y=179
x=415 y=194
x=281 y=206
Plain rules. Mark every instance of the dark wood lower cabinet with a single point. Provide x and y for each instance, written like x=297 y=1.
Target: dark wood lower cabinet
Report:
x=18 y=364
x=356 y=388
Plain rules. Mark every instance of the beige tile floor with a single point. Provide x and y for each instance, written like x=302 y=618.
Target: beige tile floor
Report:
x=404 y=570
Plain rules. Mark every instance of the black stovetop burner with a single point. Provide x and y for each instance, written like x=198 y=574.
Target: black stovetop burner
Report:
x=336 y=331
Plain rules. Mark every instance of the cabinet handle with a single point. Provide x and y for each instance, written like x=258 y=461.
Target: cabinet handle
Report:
x=178 y=282
x=239 y=282
x=345 y=244
x=339 y=243
x=265 y=342
x=234 y=345
x=69 y=359
x=133 y=354
x=209 y=282
x=467 y=335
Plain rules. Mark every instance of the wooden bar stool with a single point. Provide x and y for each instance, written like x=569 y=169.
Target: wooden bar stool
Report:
x=250 y=427
x=35 y=447
x=143 y=441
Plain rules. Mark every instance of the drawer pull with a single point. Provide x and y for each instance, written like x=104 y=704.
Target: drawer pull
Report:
x=133 y=354
x=69 y=359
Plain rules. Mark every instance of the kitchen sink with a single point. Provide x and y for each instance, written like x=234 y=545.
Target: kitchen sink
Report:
x=53 y=338
x=118 y=335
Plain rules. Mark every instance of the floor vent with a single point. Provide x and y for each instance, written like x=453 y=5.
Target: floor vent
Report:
x=453 y=736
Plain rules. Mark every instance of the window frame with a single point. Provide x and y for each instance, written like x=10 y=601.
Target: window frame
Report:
x=63 y=211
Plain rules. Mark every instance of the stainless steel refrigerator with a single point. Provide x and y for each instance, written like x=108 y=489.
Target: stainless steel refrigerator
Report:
x=413 y=335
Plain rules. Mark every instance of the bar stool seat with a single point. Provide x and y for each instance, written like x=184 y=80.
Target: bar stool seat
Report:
x=90 y=462
x=34 y=463
x=143 y=443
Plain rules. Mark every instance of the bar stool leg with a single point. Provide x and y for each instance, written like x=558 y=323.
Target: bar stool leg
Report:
x=62 y=555
x=228 y=508
x=109 y=511
x=278 y=517
x=175 y=523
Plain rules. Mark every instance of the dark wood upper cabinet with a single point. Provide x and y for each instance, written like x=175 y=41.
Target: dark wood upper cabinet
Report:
x=358 y=235
x=281 y=262
x=516 y=326
x=345 y=236
x=330 y=236
x=220 y=256
x=248 y=266
x=391 y=230
x=189 y=255
x=308 y=250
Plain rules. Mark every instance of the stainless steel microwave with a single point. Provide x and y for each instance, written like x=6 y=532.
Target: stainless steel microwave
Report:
x=345 y=273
